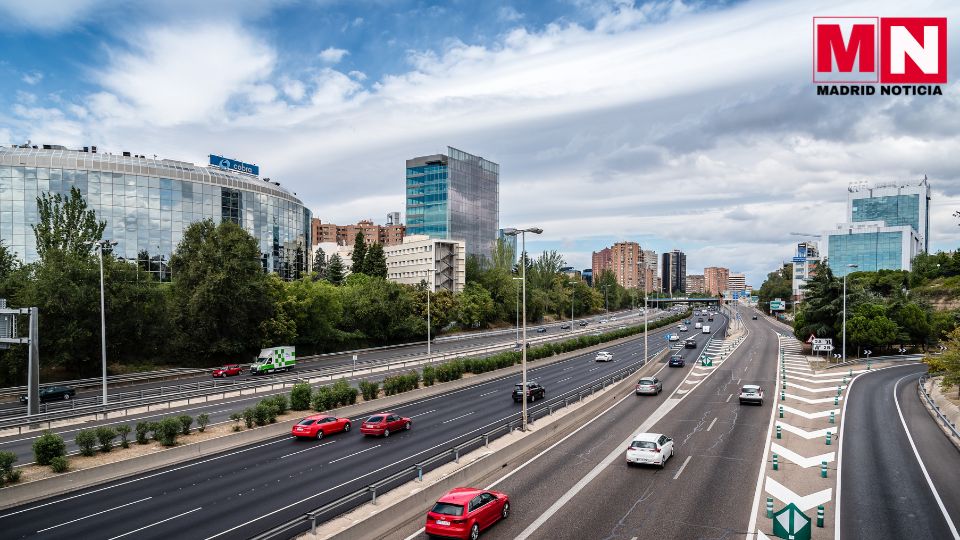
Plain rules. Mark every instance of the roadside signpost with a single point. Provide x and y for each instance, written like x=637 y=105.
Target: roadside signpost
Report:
x=791 y=524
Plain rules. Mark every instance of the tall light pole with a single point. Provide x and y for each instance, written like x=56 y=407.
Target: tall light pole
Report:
x=606 y=301
x=100 y=244
x=428 y=322
x=844 y=352
x=645 y=354
x=573 y=291
x=518 y=311
x=523 y=346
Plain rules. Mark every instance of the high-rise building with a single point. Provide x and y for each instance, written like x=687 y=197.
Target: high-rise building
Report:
x=601 y=260
x=673 y=271
x=393 y=218
x=804 y=263
x=715 y=279
x=737 y=282
x=441 y=264
x=695 y=283
x=454 y=196
x=625 y=260
x=648 y=274
x=346 y=235
x=887 y=226
x=511 y=243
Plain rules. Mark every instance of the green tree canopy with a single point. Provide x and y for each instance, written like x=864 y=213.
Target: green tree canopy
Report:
x=65 y=225
x=375 y=262
x=359 y=255
x=335 y=271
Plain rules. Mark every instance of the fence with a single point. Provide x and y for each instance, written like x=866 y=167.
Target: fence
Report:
x=946 y=422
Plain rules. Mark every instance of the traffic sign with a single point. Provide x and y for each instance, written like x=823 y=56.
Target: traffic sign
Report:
x=838 y=356
x=867 y=353
x=822 y=341
x=811 y=338
x=902 y=350
x=791 y=524
x=824 y=347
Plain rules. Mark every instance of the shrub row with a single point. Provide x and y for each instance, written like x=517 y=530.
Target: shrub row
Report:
x=7 y=473
x=401 y=383
x=331 y=397
x=370 y=390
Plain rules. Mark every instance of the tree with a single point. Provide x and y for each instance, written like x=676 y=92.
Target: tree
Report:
x=220 y=296
x=779 y=284
x=359 y=255
x=821 y=312
x=375 y=262
x=475 y=306
x=8 y=262
x=950 y=361
x=503 y=256
x=334 y=273
x=319 y=264
x=66 y=225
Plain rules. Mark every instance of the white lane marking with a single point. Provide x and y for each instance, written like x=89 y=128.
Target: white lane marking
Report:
x=158 y=522
x=787 y=495
x=728 y=398
x=457 y=417
x=354 y=454
x=144 y=477
x=488 y=393
x=711 y=424
x=594 y=369
x=936 y=494
x=682 y=467
x=306 y=449
x=567 y=379
x=766 y=450
x=434 y=410
x=94 y=514
x=805 y=462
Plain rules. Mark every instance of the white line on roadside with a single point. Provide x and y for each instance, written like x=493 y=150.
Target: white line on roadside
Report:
x=306 y=449
x=682 y=467
x=936 y=494
x=488 y=393
x=157 y=523
x=94 y=514
x=711 y=424
x=354 y=454
x=434 y=410
x=458 y=417
x=562 y=380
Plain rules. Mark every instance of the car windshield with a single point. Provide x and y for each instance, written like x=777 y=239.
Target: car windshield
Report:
x=306 y=422
x=374 y=419
x=644 y=444
x=646 y=381
x=448 y=509
x=748 y=390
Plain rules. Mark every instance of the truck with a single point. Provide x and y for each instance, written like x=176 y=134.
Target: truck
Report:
x=273 y=359
x=706 y=329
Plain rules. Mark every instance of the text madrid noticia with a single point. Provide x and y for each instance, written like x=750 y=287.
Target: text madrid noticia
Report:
x=889 y=56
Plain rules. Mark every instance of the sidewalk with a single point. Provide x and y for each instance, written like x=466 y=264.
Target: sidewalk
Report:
x=948 y=404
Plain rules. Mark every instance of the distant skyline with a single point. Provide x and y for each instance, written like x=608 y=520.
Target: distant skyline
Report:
x=677 y=125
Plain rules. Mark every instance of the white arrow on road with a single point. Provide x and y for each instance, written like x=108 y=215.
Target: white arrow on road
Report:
x=809 y=416
x=804 y=503
x=808 y=389
x=807 y=434
x=805 y=462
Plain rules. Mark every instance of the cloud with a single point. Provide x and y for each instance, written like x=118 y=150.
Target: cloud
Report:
x=332 y=55
x=508 y=14
x=32 y=78
x=48 y=15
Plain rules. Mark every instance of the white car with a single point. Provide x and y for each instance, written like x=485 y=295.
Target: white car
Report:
x=683 y=328
x=751 y=393
x=604 y=356
x=674 y=337
x=698 y=325
x=650 y=449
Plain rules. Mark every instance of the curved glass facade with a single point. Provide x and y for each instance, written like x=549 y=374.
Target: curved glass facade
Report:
x=147 y=203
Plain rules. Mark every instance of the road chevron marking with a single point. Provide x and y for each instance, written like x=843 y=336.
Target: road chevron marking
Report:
x=807 y=434
x=820 y=381
x=833 y=374
x=805 y=462
x=808 y=389
x=812 y=401
x=787 y=496
x=810 y=416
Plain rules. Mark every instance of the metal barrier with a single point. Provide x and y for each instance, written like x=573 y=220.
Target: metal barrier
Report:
x=946 y=422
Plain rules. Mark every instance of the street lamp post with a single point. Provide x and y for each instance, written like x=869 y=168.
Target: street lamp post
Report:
x=100 y=244
x=523 y=346
x=844 y=352
x=645 y=354
x=606 y=300
x=518 y=311
x=573 y=291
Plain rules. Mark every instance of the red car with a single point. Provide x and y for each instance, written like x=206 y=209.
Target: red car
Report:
x=318 y=425
x=228 y=370
x=384 y=424
x=464 y=512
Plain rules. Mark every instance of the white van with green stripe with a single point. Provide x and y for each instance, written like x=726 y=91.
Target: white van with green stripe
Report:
x=274 y=359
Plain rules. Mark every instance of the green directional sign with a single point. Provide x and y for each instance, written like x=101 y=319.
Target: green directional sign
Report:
x=791 y=524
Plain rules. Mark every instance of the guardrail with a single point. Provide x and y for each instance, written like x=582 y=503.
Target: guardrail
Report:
x=946 y=422
x=452 y=453
x=206 y=389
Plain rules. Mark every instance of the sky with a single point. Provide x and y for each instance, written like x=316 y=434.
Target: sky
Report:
x=676 y=124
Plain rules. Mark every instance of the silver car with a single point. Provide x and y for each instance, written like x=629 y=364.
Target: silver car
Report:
x=649 y=385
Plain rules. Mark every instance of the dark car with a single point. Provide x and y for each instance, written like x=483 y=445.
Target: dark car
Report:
x=534 y=392
x=690 y=344
x=541 y=329
x=710 y=318
x=677 y=361
x=584 y=323
x=754 y=317
x=565 y=326
x=699 y=319
x=52 y=393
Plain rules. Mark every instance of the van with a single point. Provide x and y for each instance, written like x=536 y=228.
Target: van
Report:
x=706 y=329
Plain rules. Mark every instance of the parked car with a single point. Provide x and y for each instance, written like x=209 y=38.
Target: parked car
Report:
x=541 y=329
x=52 y=393
x=604 y=356
x=674 y=337
x=751 y=393
x=318 y=425
x=384 y=424
x=650 y=449
x=465 y=512
x=584 y=323
x=534 y=392
x=649 y=385
x=565 y=326
x=677 y=361
x=690 y=343
x=228 y=370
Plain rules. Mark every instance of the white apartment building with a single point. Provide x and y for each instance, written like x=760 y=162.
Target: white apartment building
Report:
x=440 y=263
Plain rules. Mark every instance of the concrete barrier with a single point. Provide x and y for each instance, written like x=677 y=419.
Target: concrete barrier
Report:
x=23 y=493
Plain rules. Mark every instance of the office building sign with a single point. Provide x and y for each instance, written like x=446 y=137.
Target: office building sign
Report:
x=234 y=165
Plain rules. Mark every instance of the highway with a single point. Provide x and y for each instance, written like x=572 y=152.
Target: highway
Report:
x=252 y=489
x=704 y=491
x=884 y=490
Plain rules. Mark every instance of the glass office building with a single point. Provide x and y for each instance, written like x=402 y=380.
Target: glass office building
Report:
x=454 y=196
x=894 y=204
x=148 y=203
